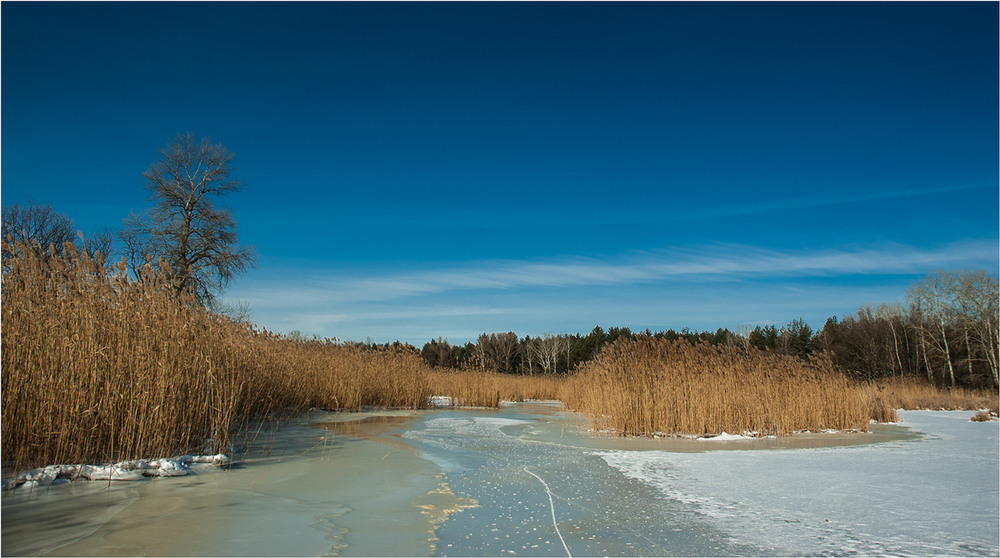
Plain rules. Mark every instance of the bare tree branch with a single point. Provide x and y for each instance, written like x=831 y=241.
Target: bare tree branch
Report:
x=197 y=240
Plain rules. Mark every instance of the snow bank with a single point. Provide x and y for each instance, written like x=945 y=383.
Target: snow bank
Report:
x=441 y=401
x=125 y=470
x=935 y=495
x=725 y=437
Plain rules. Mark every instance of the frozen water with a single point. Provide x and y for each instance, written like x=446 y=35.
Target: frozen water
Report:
x=303 y=491
x=542 y=492
x=528 y=480
x=934 y=496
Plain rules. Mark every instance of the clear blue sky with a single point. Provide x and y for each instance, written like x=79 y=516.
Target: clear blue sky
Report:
x=416 y=170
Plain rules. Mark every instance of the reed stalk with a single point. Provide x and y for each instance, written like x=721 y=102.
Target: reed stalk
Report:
x=648 y=386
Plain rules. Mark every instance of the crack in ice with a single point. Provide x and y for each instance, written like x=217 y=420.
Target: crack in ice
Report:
x=552 y=507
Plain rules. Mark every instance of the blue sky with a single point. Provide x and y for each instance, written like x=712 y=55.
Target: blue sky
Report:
x=416 y=170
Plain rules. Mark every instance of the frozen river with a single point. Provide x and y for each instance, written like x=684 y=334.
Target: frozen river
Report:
x=526 y=480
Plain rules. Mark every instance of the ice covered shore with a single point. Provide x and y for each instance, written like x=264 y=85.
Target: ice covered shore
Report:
x=139 y=469
x=136 y=469
x=936 y=495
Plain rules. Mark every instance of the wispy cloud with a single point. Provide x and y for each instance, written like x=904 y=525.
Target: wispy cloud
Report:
x=726 y=262
x=712 y=286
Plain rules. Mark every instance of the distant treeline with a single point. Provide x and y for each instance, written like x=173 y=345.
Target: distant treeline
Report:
x=559 y=354
x=548 y=353
x=946 y=332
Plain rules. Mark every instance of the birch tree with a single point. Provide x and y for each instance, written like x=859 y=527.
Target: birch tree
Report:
x=933 y=290
x=981 y=302
x=547 y=350
x=891 y=314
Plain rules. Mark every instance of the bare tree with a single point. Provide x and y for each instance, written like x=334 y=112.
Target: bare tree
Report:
x=135 y=243
x=99 y=245
x=865 y=340
x=547 y=349
x=743 y=337
x=497 y=351
x=35 y=225
x=890 y=314
x=918 y=321
x=527 y=350
x=483 y=353
x=196 y=239
x=934 y=295
x=980 y=302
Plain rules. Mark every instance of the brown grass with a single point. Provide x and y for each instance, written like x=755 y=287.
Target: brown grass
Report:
x=915 y=393
x=486 y=389
x=982 y=416
x=100 y=368
x=648 y=386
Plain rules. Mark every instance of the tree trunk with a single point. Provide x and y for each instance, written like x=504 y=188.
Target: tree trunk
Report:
x=927 y=362
x=947 y=352
x=968 y=353
x=895 y=345
x=990 y=343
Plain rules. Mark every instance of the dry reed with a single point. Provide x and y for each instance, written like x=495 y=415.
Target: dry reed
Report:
x=487 y=389
x=916 y=393
x=649 y=386
x=98 y=368
x=982 y=416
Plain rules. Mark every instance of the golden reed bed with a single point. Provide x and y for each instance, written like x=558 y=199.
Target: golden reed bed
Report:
x=648 y=386
x=99 y=367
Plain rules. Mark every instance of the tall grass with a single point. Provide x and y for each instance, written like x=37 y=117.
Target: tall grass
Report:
x=97 y=367
x=646 y=386
x=488 y=389
x=916 y=393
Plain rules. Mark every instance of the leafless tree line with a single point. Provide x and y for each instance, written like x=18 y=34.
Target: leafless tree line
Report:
x=48 y=231
x=505 y=352
x=946 y=331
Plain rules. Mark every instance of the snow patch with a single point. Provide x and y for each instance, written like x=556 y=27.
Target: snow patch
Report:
x=132 y=470
x=936 y=495
x=725 y=437
x=441 y=401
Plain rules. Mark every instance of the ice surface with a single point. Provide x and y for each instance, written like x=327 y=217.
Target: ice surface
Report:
x=541 y=492
x=299 y=491
x=527 y=480
x=935 y=496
